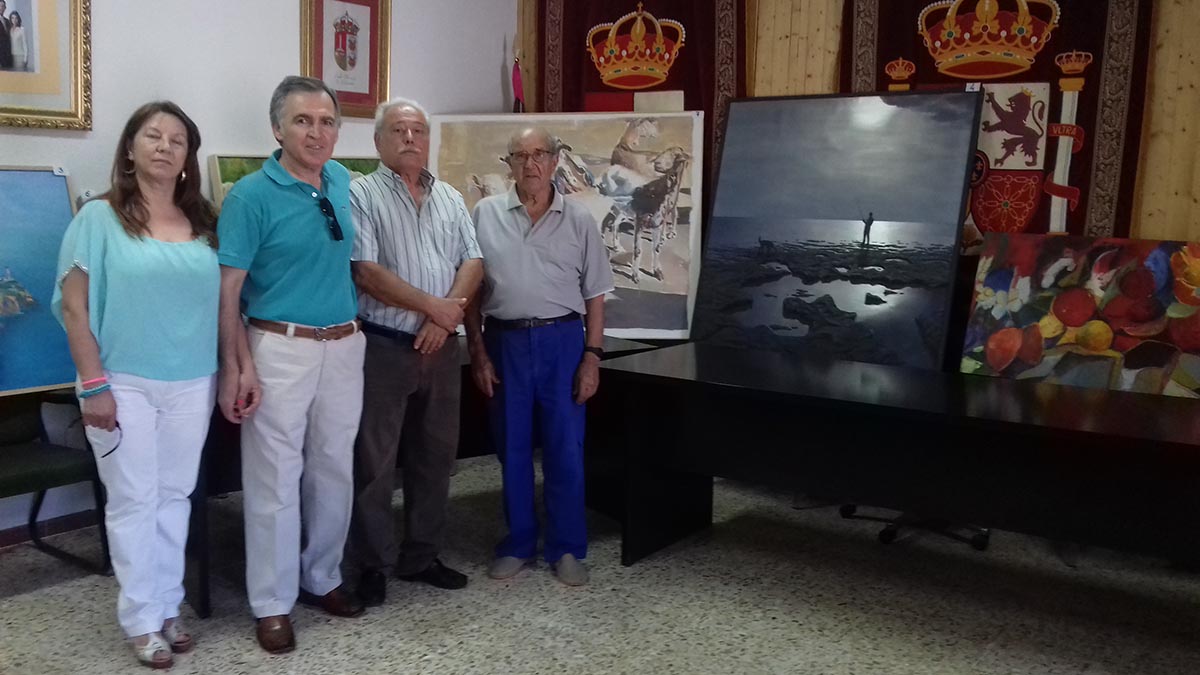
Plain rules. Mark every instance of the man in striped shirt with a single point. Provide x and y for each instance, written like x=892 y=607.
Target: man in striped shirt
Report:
x=415 y=262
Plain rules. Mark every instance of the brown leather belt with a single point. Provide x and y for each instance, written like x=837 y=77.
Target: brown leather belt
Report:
x=321 y=334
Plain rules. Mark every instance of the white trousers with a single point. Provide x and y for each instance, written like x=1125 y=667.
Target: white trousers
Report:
x=149 y=468
x=298 y=465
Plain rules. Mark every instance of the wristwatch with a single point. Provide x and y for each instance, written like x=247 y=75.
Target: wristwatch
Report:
x=598 y=351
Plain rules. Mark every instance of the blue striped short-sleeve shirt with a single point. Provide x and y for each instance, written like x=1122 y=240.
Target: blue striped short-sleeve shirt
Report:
x=424 y=248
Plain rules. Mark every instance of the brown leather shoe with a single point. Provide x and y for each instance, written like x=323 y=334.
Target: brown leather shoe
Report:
x=275 y=634
x=336 y=602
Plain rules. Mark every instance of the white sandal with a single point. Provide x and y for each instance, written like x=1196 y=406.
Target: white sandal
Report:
x=179 y=638
x=156 y=653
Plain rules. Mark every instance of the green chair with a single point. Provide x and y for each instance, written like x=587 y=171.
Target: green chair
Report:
x=30 y=464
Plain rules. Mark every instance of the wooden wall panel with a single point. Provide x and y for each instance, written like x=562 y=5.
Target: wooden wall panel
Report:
x=798 y=61
x=528 y=47
x=796 y=48
x=1167 y=204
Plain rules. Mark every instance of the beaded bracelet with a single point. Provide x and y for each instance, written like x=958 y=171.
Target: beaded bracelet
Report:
x=88 y=393
x=89 y=383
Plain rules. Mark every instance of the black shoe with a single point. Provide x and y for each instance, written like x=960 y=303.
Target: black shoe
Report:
x=437 y=575
x=372 y=588
x=337 y=602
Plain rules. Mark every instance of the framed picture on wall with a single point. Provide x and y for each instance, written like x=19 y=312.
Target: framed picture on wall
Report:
x=346 y=43
x=35 y=209
x=46 y=64
x=225 y=170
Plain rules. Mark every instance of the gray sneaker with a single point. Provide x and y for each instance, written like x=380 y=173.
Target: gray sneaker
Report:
x=570 y=571
x=506 y=567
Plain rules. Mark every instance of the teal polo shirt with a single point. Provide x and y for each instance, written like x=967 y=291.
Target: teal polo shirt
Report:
x=271 y=225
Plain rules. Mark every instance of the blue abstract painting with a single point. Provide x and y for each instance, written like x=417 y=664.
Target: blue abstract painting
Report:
x=35 y=209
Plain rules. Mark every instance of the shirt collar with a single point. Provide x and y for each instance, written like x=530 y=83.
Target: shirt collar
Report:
x=280 y=175
x=556 y=203
x=427 y=179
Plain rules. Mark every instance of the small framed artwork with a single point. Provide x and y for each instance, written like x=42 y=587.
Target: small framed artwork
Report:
x=346 y=44
x=46 y=64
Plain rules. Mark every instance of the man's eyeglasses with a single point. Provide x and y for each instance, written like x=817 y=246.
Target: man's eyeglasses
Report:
x=335 y=228
x=538 y=156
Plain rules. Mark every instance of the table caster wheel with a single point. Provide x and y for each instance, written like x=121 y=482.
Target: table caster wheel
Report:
x=887 y=535
x=979 y=542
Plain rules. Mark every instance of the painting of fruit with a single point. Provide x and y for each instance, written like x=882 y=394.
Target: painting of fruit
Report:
x=1088 y=312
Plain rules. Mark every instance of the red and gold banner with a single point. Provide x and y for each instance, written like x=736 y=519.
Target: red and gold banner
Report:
x=1064 y=82
x=708 y=67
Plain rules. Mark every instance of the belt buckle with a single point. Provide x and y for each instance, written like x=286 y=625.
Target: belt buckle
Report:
x=319 y=334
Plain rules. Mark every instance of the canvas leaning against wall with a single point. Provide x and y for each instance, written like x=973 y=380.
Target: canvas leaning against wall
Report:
x=35 y=209
x=225 y=170
x=1089 y=312
x=835 y=226
x=639 y=176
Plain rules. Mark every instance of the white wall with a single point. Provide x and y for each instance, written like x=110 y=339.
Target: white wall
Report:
x=220 y=61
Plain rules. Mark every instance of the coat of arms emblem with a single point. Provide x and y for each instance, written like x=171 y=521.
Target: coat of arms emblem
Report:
x=345 y=42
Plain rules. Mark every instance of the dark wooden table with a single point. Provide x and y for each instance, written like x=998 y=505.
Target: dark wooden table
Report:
x=1092 y=466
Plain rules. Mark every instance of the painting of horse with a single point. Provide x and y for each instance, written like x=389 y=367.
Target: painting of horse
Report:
x=640 y=178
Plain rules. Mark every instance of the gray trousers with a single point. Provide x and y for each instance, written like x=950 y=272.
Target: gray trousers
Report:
x=410 y=407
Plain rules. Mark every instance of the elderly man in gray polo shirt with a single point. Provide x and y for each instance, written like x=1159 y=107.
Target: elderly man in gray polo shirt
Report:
x=415 y=262
x=535 y=358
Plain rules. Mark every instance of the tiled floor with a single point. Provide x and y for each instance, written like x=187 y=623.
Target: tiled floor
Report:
x=770 y=589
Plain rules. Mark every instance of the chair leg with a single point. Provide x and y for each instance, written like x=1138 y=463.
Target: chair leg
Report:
x=977 y=537
x=35 y=510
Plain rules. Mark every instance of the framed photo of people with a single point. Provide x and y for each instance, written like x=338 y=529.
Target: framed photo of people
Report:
x=346 y=44
x=46 y=64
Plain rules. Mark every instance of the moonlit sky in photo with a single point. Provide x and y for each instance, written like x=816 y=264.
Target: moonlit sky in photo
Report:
x=904 y=158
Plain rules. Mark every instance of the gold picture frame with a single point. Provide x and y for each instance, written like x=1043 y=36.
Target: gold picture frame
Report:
x=53 y=90
x=329 y=49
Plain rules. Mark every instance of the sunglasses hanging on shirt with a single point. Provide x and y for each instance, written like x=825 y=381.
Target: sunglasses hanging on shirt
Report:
x=335 y=228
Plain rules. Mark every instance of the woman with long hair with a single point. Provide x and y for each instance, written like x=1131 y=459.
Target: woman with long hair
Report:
x=139 y=286
x=20 y=46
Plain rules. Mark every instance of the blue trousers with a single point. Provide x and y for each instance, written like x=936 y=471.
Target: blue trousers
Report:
x=536 y=367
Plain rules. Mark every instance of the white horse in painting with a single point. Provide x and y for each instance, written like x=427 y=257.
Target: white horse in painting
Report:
x=631 y=166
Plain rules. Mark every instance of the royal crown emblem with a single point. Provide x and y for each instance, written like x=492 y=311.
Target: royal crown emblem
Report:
x=900 y=69
x=1073 y=62
x=990 y=42
x=634 y=59
x=345 y=42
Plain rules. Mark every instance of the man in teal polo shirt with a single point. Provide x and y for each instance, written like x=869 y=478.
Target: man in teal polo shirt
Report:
x=291 y=374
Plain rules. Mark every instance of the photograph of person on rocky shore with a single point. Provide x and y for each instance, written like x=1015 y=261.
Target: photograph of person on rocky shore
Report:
x=835 y=226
